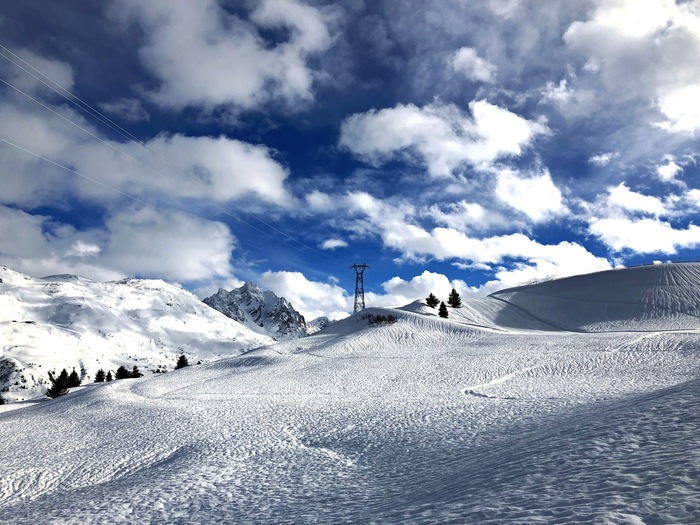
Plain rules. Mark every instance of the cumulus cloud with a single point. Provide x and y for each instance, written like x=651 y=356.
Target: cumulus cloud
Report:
x=311 y=298
x=647 y=54
x=667 y=172
x=646 y=235
x=466 y=60
x=536 y=196
x=143 y=242
x=624 y=198
x=400 y=292
x=332 y=244
x=217 y=168
x=440 y=135
x=415 y=242
x=26 y=76
x=204 y=56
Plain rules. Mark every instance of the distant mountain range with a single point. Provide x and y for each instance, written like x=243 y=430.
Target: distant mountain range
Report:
x=67 y=321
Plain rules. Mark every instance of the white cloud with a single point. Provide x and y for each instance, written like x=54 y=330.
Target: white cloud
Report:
x=463 y=215
x=332 y=244
x=173 y=246
x=603 y=159
x=319 y=201
x=622 y=197
x=535 y=196
x=414 y=242
x=220 y=169
x=667 y=172
x=647 y=53
x=204 y=56
x=133 y=242
x=467 y=61
x=441 y=135
x=126 y=109
x=32 y=82
x=644 y=235
x=311 y=298
x=400 y=292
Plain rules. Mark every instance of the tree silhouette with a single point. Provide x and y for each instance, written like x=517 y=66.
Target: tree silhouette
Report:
x=73 y=379
x=454 y=300
x=442 y=312
x=432 y=301
x=100 y=376
x=2 y=400
x=182 y=362
x=135 y=372
x=122 y=373
x=109 y=376
x=59 y=384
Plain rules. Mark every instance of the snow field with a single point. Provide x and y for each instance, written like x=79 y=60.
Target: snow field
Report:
x=421 y=421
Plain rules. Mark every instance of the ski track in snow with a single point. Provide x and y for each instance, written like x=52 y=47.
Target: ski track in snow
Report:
x=361 y=424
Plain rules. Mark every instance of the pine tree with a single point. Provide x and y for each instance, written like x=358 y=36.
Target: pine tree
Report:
x=100 y=376
x=454 y=300
x=109 y=376
x=59 y=385
x=122 y=373
x=73 y=379
x=135 y=373
x=432 y=301
x=182 y=362
x=442 y=312
x=2 y=400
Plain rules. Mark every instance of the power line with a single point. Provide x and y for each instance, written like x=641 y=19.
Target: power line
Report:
x=84 y=106
x=125 y=194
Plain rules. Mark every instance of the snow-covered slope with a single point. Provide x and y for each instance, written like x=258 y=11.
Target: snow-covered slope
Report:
x=647 y=298
x=65 y=321
x=261 y=311
x=423 y=420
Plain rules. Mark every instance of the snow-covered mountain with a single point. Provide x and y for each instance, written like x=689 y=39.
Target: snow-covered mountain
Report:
x=260 y=310
x=66 y=321
x=491 y=416
x=318 y=324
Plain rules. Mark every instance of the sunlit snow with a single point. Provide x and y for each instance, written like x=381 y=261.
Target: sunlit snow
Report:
x=500 y=414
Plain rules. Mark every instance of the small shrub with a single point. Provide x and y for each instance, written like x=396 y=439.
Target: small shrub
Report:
x=379 y=320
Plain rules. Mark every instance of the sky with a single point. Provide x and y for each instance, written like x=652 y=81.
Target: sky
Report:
x=469 y=144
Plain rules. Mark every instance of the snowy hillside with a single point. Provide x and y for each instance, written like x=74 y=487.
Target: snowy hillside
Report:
x=261 y=311
x=660 y=297
x=65 y=321
x=423 y=420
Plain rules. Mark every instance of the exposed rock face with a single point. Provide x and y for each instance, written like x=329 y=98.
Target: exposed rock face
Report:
x=318 y=324
x=261 y=311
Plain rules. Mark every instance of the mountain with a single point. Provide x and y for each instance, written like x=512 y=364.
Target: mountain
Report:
x=490 y=416
x=318 y=324
x=66 y=321
x=260 y=310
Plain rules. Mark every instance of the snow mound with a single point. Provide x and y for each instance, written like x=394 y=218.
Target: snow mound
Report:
x=647 y=298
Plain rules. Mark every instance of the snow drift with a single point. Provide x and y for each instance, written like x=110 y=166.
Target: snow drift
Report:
x=422 y=420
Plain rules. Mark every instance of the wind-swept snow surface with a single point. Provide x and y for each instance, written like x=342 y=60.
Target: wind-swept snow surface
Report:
x=421 y=421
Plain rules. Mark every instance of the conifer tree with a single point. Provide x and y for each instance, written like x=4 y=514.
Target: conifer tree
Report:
x=431 y=300
x=122 y=373
x=100 y=376
x=135 y=372
x=109 y=376
x=73 y=379
x=454 y=300
x=2 y=400
x=59 y=384
x=182 y=362
x=442 y=312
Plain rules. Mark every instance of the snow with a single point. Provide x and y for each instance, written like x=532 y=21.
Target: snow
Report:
x=66 y=321
x=426 y=420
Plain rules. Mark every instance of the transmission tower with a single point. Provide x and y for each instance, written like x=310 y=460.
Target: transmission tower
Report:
x=359 y=286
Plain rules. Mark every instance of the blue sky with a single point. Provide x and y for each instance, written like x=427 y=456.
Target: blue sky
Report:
x=456 y=143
